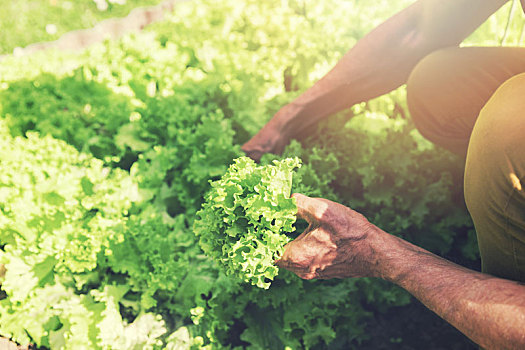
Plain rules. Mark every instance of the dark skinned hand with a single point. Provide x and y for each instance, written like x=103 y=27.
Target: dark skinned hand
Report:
x=270 y=139
x=335 y=244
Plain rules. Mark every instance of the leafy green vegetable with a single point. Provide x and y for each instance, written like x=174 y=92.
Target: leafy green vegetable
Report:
x=246 y=216
x=98 y=257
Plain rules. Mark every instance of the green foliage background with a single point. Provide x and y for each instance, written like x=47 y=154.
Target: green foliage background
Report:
x=106 y=158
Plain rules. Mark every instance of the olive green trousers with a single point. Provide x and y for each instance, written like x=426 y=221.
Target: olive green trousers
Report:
x=472 y=101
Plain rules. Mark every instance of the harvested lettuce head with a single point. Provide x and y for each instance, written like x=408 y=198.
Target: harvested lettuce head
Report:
x=245 y=218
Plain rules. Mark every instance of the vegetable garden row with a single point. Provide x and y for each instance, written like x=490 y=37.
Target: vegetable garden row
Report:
x=107 y=156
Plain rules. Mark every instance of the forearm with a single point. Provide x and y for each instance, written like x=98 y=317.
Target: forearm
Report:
x=489 y=310
x=377 y=64
x=383 y=59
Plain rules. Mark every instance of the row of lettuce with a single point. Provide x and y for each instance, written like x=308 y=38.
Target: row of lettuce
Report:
x=107 y=155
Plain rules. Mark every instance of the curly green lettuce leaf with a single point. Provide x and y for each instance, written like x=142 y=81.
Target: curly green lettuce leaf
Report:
x=246 y=216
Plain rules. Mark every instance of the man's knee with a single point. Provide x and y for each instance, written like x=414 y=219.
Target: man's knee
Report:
x=495 y=179
x=431 y=70
x=496 y=152
x=497 y=144
x=428 y=76
x=448 y=89
x=436 y=110
x=507 y=101
x=501 y=122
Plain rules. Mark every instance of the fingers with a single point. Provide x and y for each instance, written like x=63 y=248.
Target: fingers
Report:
x=300 y=271
x=254 y=154
x=282 y=264
x=265 y=141
x=295 y=268
x=309 y=209
x=286 y=261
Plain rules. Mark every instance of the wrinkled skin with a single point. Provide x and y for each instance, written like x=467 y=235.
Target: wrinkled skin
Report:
x=341 y=243
x=335 y=244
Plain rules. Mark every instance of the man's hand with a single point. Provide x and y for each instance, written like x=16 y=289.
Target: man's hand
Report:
x=267 y=140
x=341 y=243
x=335 y=244
x=363 y=72
x=270 y=139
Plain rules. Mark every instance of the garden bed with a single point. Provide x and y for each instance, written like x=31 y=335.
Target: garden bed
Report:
x=108 y=153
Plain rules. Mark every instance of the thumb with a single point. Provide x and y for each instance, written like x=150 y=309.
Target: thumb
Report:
x=284 y=261
x=309 y=209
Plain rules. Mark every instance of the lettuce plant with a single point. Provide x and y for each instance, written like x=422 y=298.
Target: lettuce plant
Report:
x=245 y=218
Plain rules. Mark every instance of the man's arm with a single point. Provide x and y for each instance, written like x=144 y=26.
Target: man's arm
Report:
x=341 y=243
x=377 y=64
x=488 y=310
